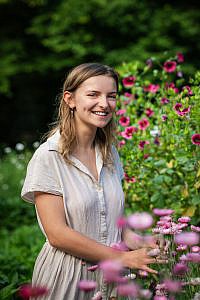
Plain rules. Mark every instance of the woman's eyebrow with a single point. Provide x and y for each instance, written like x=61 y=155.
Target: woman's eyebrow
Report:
x=95 y=91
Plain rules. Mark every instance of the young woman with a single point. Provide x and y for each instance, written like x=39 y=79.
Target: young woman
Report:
x=74 y=180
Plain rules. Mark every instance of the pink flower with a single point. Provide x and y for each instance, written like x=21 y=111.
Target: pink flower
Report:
x=152 y=88
x=124 y=121
x=143 y=273
x=162 y=212
x=149 y=112
x=145 y=294
x=187 y=87
x=143 y=124
x=27 y=290
x=181 y=247
x=187 y=238
x=180 y=269
x=128 y=133
x=193 y=257
x=87 y=285
x=164 y=101
x=195 y=249
x=180 y=57
x=129 y=179
x=160 y=298
x=128 y=97
x=121 y=246
x=196 y=141
x=172 y=86
x=93 y=268
x=129 y=81
x=169 y=66
x=121 y=143
x=177 y=108
x=130 y=289
x=97 y=296
x=120 y=112
x=184 y=219
x=142 y=144
x=140 y=221
x=164 y=118
x=183 y=258
x=121 y=222
x=173 y=286
x=195 y=228
x=111 y=270
x=146 y=156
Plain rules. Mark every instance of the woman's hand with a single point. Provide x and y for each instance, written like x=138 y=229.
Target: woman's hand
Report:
x=139 y=259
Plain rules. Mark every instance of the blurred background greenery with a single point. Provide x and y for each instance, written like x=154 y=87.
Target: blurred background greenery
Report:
x=42 y=39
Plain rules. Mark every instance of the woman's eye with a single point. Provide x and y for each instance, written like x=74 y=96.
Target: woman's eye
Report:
x=112 y=97
x=92 y=95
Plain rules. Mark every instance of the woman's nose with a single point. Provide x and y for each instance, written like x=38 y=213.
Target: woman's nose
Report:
x=103 y=101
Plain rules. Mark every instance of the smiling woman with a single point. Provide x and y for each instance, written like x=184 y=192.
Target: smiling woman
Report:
x=74 y=180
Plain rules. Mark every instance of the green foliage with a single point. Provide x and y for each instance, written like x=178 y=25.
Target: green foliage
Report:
x=167 y=170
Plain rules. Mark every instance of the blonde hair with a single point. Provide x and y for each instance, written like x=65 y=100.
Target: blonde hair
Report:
x=105 y=137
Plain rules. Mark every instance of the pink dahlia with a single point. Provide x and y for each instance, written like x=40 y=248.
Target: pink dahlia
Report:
x=128 y=81
x=162 y=212
x=177 y=108
x=152 y=88
x=124 y=121
x=169 y=66
x=87 y=285
x=149 y=112
x=187 y=238
x=196 y=140
x=27 y=290
x=143 y=124
x=180 y=57
x=140 y=221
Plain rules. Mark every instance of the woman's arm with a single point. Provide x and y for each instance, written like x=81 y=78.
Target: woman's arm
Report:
x=51 y=212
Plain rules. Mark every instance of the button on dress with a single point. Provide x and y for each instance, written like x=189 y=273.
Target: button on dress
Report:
x=91 y=207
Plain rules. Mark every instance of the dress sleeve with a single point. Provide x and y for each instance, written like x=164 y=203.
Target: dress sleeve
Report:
x=118 y=163
x=41 y=175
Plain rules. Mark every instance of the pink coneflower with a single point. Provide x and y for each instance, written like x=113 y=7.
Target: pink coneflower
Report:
x=142 y=144
x=149 y=112
x=177 y=108
x=164 y=101
x=124 y=121
x=120 y=112
x=128 y=133
x=188 y=88
x=152 y=88
x=169 y=66
x=129 y=179
x=184 y=219
x=187 y=238
x=128 y=81
x=27 y=290
x=143 y=124
x=196 y=140
x=162 y=212
x=111 y=270
x=130 y=289
x=180 y=269
x=93 y=268
x=140 y=221
x=87 y=285
x=180 y=57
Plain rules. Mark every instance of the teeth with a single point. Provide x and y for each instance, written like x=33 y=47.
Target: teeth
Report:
x=100 y=113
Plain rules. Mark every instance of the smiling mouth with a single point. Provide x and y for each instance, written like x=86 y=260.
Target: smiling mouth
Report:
x=100 y=113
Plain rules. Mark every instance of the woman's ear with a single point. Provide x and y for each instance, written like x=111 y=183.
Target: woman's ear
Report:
x=69 y=99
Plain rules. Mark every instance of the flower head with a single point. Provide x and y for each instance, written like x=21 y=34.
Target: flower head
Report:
x=87 y=285
x=179 y=111
x=169 y=66
x=162 y=212
x=180 y=269
x=152 y=88
x=143 y=124
x=27 y=290
x=130 y=289
x=196 y=139
x=111 y=270
x=184 y=219
x=140 y=221
x=124 y=121
x=120 y=112
x=173 y=286
x=188 y=88
x=128 y=81
x=142 y=144
x=149 y=112
x=187 y=238
x=128 y=133
x=164 y=101
x=180 y=57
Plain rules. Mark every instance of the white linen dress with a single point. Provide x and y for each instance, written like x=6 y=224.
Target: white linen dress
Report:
x=91 y=207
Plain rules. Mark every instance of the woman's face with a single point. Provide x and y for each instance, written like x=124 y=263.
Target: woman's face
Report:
x=94 y=101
